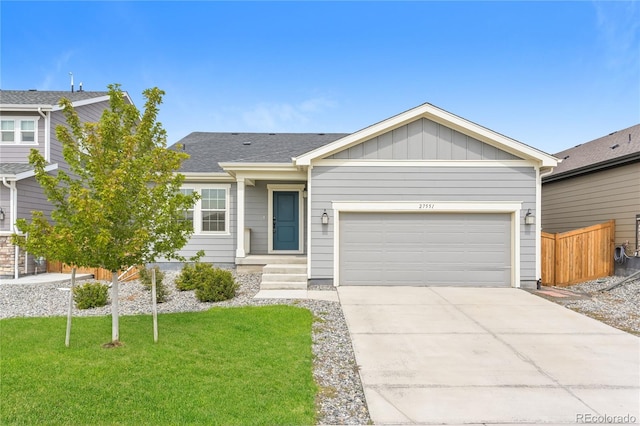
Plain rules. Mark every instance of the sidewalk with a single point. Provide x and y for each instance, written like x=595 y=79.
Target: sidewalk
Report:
x=44 y=278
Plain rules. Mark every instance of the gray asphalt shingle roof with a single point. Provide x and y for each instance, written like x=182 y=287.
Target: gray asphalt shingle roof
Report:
x=616 y=145
x=207 y=149
x=12 y=169
x=47 y=97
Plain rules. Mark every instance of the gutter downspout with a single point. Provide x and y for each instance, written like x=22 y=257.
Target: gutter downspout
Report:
x=47 y=141
x=13 y=211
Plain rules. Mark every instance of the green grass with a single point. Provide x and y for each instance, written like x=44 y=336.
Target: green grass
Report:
x=229 y=366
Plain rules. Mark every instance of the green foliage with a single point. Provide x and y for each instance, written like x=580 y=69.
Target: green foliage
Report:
x=216 y=285
x=90 y=295
x=191 y=275
x=211 y=284
x=161 y=290
x=118 y=206
x=120 y=202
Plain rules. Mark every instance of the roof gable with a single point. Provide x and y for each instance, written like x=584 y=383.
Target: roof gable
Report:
x=48 y=99
x=436 y=115
x=423 y=139
x=617 y=147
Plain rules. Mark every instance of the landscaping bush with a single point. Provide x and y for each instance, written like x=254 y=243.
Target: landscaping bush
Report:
x=90 y=295
x=192 y=275
x=217 y=285
x=161 y=290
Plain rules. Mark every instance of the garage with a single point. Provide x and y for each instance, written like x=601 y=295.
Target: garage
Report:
x=425 y=249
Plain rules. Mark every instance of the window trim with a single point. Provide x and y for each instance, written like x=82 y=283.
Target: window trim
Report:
x=197 y=208
x=17 y=130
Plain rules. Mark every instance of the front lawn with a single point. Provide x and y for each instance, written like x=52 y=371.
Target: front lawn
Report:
x=249 y=365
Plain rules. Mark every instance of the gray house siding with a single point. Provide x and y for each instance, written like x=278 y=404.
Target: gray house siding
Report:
x=612 y=194
x=394 y=183
x=31 y=198
x=218 y=249
x=5 y=201
x=423 y=140
x=19 y=153
x=256 y=212
x=86 y=113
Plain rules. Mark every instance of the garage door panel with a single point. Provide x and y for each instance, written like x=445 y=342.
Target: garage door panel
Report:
x=425 y=249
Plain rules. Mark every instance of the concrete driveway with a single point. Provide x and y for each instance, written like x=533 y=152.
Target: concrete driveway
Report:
x=436 y=355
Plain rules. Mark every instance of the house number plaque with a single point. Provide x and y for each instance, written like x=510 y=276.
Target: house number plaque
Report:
x=426 y=206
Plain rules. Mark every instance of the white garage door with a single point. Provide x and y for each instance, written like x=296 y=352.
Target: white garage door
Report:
x=452 y=249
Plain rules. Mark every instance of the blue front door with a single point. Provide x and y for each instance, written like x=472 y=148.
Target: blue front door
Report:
x=285 y=220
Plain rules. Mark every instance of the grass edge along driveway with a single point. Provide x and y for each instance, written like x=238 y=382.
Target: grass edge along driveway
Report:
x=249 y=365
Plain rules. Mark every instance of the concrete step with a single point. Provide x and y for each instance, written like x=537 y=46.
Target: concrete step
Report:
x=285 y=268
x=268 y=259
x=296 y=278
x=283 y=286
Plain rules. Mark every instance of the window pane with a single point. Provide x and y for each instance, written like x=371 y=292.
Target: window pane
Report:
x=28 y=137
x=213 y=221
x=27 y=125
x=8 y=137
x=7 y=125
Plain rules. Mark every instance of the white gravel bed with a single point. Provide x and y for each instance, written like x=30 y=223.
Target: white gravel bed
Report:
x=340 y=397
x=619 y=307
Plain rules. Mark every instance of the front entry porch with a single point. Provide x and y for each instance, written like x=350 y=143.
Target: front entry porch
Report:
x=279 y=271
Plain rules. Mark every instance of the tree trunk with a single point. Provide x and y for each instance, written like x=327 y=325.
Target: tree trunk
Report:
x=115 y=311
x=154 y=304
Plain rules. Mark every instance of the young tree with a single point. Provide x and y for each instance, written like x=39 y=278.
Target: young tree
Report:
x=120 y=204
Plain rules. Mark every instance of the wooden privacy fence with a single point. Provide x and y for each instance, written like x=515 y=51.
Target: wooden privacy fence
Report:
x=98 y=273
x=577 y=256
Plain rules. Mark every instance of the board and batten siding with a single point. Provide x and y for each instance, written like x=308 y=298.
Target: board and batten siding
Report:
x=31 y=198
x=581 y=201
x=420 y=184
x=423 y=140
x=19 y=153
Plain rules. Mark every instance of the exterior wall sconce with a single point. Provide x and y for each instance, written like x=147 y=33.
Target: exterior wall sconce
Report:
x=304 y=192
x=529 y=218
x=325 y=218
x=1 y=214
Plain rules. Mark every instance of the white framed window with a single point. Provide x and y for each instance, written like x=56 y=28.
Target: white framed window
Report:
x=188 y=214
x=19 y=130
x=210 y=215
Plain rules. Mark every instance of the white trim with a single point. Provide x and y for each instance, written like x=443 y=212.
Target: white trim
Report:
x=31 y=173
x=277 y=187
x=88 y=102
x=538 y=225
x=17 y=129
x=426 y=206
x=197 y=208
x=309 y=187
x=425 y=163
x=206 y=177
x=240 y=208
x=439 y=116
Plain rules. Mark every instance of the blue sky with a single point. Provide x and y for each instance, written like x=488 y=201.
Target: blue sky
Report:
x=549 y=74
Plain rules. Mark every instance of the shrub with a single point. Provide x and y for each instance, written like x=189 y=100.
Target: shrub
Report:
x=191 y=275
x=90 y=295
x=161 y=290
x=216 y=285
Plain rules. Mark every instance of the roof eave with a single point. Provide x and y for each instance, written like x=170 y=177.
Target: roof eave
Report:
x=28 y=107
x=440 y=116
x=619 y=161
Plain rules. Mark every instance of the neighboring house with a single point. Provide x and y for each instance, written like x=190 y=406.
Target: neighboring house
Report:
x=422 y=198
x=597 y=181
x=28 y=120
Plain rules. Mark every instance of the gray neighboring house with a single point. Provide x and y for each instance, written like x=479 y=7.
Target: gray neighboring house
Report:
x=597 y=181
x=422 y=198
x=28 y=119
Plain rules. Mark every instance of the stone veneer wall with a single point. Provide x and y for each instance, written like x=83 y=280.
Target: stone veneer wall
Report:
x=7 y=260
x=7 y=253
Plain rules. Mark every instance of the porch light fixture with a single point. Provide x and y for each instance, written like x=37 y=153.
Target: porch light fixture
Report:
x=325 y=218
x=304 y=192
x=1 y=214
x=529 y=218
